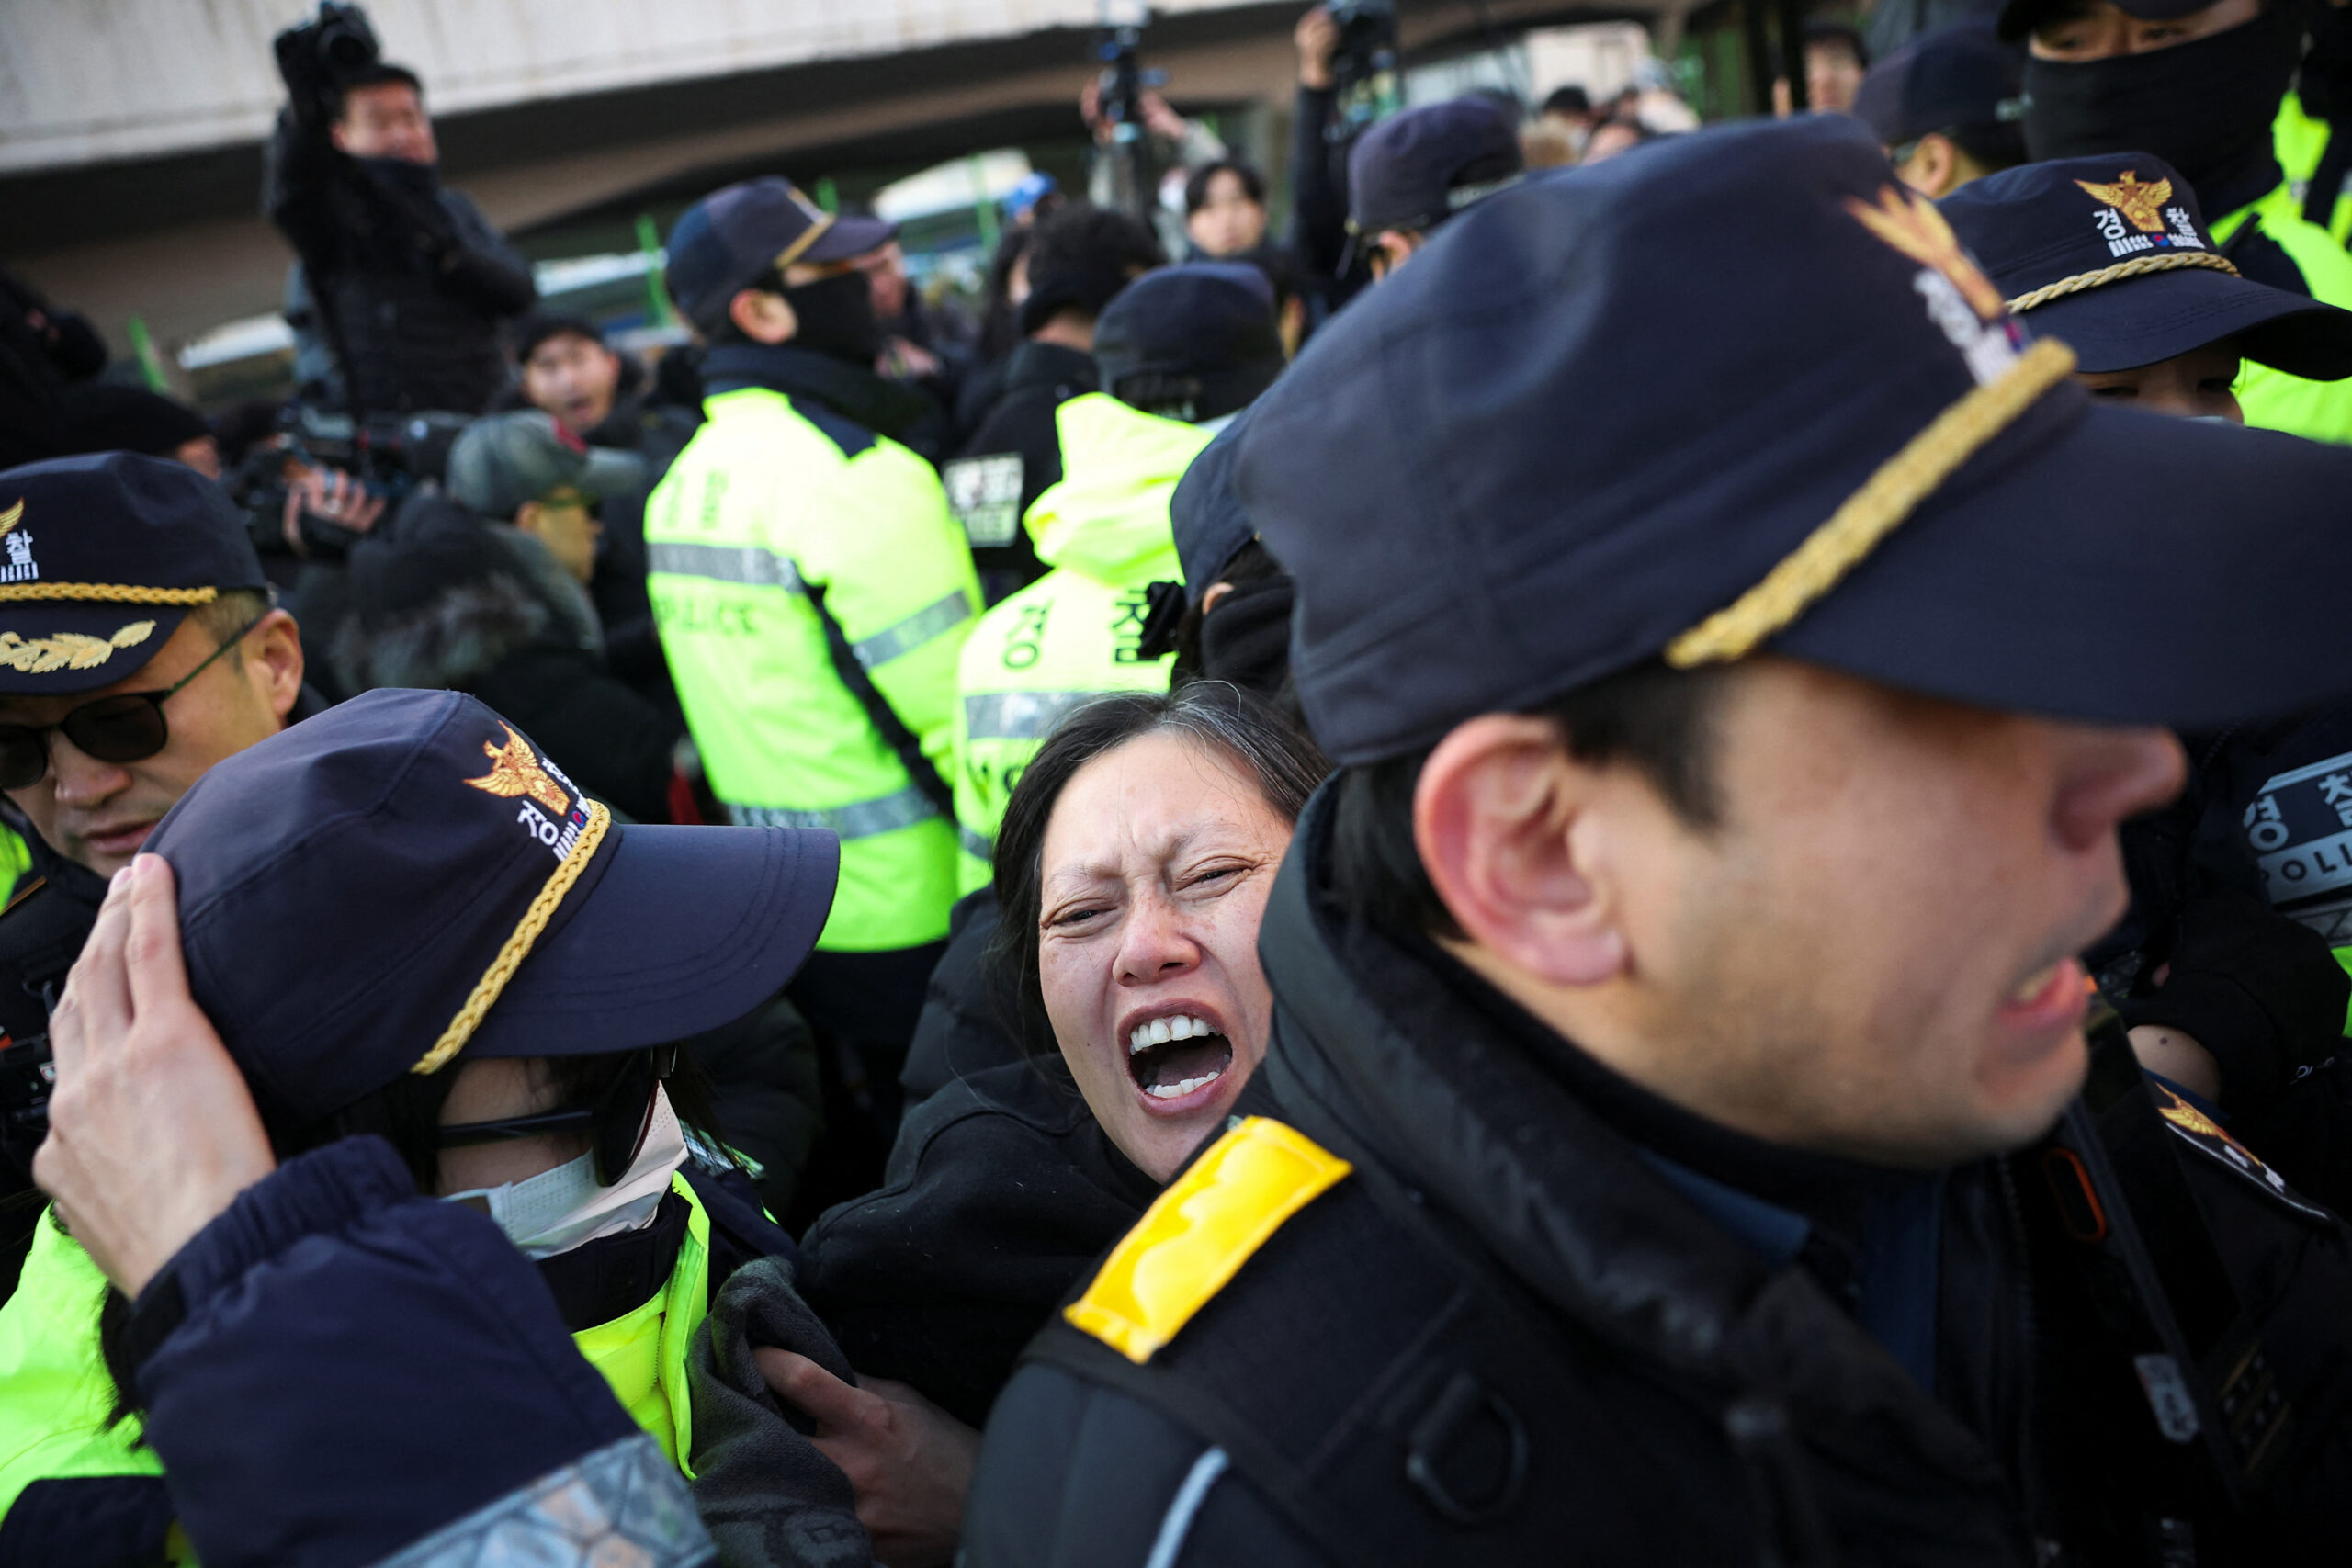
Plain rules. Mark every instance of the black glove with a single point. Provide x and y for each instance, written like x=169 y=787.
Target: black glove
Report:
x=2260 y=991
x=308 y=91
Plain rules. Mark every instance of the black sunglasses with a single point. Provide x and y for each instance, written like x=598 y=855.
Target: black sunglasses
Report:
x=617 y=1119
x=126 y=728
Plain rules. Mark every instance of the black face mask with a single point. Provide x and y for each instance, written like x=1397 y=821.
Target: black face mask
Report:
x=2204 y=107
x=1246 y=639
x=837 y=318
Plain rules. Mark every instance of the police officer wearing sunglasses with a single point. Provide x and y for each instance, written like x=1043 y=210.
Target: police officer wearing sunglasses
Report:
x=139 y=646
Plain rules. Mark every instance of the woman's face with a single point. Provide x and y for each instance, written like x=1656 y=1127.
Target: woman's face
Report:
x=1156 y=866
x=1227 y=222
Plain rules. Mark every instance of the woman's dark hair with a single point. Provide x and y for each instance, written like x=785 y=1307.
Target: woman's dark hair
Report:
x=1246 y=729
x=1000 y=318
x=1659 y=720
x=406 y=1113
x=1196 y=189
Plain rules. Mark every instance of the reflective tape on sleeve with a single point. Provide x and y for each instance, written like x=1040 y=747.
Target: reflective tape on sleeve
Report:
x=975 y=845
x=747 y=564
x=931 y=620
x=859 y=819
x=1020 y=715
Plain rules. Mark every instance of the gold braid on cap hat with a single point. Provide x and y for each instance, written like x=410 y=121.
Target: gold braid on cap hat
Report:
x=1873 y=511
x=109 y=593
x=518 y=946
x=2135 y=267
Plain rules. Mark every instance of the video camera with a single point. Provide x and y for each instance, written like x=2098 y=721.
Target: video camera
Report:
x=1120 y=91
x=391 y=455
x=1364 y=66
x=318 y=57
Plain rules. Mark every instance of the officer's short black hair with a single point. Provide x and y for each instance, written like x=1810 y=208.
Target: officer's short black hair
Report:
x=1196 y=189
x=1659 y=720
x=231 y=613
x=1570 y=100
x=1246 y=727
x=380 y=74
x=1839 y=35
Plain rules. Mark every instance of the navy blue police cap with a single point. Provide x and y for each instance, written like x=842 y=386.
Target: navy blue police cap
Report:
x=1956 y=78
x=1206 y=514
x=1415 y=170
x=2112 y=254
x=1213 y=321
x=405 y=881
x=733 y=237
x=1569 y=439
x=101 y=557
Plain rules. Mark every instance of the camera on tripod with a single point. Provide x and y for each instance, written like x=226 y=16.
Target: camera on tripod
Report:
x=319 y=57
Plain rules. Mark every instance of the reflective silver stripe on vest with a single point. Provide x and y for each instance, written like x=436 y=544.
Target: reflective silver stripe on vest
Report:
x=973 y=844
x=859 y=819
x=915 y=631
x=1020 y=715
x=725 y=563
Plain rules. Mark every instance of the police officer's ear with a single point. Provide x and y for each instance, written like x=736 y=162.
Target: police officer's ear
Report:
x=1518 y=838
x=273 y=661
x=1933 y=166
x=763 y=315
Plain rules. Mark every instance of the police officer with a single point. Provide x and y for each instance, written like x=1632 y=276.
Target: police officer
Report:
x=1729 y=770
x=2197 y=86
x=1180 y=352
x=1079 y=258
x=1410 y=173
x=1946 y=107
x=489 y=1023
x=811 y=591
x=140 y=645
x=2167 y=327
x=2232 y=1000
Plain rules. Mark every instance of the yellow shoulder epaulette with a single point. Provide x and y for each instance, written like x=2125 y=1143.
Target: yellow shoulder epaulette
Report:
x=1199 y=1233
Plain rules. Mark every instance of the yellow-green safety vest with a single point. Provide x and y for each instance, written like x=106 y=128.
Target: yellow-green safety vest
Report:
x=2271 y=398
x=55 y=1393
x=2300 y=141
x=1070 y=635
x=16 y=860
x=767 y=510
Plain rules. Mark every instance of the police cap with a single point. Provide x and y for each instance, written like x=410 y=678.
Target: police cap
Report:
x=2112 y=254
x=1956 y=78
x=405 y=880
x=1211 y=321
x=101 y=557
x=733 y=237
x=1740 y=392
x=1418 y=169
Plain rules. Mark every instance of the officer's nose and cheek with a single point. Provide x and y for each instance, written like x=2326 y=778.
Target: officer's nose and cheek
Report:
x=2107 y=774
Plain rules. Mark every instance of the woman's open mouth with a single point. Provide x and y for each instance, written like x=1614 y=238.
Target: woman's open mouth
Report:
x=1173 y=1059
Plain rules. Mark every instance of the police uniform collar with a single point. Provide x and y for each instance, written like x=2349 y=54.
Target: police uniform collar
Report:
x=850 y=390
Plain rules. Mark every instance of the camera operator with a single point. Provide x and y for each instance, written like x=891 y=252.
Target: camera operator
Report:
x=410 y=282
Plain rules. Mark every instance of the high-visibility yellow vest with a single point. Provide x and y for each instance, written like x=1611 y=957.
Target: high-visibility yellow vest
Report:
x=765 y=512
x=2271 y=398
x=55 y=1393
x=1070 y=635
x=2300 y=141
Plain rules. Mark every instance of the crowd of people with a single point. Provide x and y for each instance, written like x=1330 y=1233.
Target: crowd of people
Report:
x=1637 y=849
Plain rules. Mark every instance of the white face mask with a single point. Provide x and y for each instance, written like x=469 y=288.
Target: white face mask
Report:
x=561 y=1208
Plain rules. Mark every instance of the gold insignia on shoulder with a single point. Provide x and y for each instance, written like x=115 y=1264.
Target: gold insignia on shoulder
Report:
x=514 y=769
x=11 y=517
x=1198 y=1233
x=2142 y=204
x=68 y=650
x=1912 y=225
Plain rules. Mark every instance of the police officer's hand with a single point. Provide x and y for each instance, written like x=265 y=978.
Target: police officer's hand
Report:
x=909 y=1462
x=151 y=1131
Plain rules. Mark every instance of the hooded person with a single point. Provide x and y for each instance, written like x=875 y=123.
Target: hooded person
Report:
x=491 y=1026
x=1179 y=351
x=2200 y=86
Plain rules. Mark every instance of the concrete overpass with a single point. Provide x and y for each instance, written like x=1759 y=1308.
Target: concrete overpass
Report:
x=130 y=130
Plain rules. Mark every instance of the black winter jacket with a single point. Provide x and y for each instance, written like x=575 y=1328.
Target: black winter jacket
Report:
x=1520 y=1298
x=1000 y=1192
x=410 y=281
x=1012 y=456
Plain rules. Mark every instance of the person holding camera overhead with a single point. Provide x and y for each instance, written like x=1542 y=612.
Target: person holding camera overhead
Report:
x=411 y=283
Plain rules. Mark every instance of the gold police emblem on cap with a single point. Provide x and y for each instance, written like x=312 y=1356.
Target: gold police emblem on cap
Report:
x=68 y=650
x=514 y=769
x=2142 y=203
x=1912 y=225
x=13 y=516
